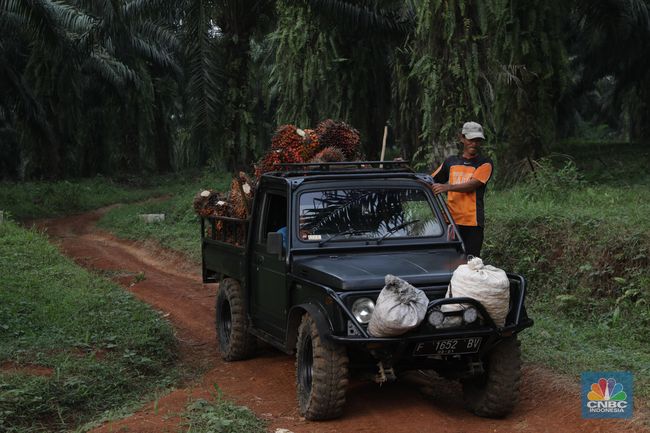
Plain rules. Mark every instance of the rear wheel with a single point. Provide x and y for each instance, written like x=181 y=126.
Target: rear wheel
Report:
x=235 y=343
x=321 y=374
x=495 y=393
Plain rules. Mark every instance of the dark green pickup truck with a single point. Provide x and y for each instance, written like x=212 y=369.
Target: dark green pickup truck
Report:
x=320 y=240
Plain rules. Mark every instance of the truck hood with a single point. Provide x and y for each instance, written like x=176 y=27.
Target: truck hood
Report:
x=367 y=271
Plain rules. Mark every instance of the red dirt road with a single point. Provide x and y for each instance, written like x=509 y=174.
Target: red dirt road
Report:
x=172 y=284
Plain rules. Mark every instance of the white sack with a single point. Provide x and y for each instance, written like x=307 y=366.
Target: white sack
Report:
x=487 y=284
x=400 y=307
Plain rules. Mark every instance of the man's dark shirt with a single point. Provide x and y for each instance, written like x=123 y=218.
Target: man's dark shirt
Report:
x=466 y=208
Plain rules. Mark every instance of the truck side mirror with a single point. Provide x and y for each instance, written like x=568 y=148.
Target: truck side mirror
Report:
x=274 y=243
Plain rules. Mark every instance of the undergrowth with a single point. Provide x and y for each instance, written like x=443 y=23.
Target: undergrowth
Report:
x=219 y=415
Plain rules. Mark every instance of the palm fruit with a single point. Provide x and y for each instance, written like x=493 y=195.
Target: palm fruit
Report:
x=209 y=203
x=311 y=144
x=241 y=195
x=341 y=135
x=288 y=145
x=329 y=154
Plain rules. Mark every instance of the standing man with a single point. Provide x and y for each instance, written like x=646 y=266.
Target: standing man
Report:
x=464 y=178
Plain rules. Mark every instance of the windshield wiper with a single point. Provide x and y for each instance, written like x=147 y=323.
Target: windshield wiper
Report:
x=395 y=229
x=344 y=232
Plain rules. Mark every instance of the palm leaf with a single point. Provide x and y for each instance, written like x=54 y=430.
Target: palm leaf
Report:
x=158 y=33
x=50 y=20
x=116 y=73
x=368 y=17
x=155 y=55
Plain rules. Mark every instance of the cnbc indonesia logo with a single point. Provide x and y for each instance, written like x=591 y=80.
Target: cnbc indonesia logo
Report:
x=607 y=398
x=606 y=395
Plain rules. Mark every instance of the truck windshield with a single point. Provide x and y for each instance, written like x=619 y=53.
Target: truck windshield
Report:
x=363 y=214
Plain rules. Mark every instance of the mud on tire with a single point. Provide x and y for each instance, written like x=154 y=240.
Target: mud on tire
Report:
x=495 y=393
x=235 y=343
x=321 y=374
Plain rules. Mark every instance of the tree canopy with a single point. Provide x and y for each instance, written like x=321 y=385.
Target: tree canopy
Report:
x=133 y=86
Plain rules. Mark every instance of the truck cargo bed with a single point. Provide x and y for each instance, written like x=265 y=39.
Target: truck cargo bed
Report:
x=223 y=251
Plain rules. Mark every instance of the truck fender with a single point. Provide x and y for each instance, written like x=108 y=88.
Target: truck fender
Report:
x=295 y=316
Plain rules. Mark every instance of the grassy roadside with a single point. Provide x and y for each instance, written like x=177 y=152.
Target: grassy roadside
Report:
x=180 y=230
x=588 y=286
x=49 y=199
x=59 y=373
x=584 y=246
x=72 y=344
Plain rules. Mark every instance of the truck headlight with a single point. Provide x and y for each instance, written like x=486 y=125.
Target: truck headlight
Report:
x=362 y=309
x=470 y=315
x=436 y=317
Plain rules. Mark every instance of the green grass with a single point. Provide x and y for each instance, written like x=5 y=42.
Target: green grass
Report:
x=614 y=164
x=613 y=206
x=220 y=416
x=105 y=349
x=570 y=345
x=180 y=230
x=48 y=199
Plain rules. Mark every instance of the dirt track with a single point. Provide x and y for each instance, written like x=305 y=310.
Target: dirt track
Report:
x=549 y=402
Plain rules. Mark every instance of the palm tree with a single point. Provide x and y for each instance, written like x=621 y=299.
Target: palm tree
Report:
x=447 y=60
x=135 y=55
x=240 y=21
x=528 y=75
x=30 y=28
x=613 y=40
x=217 y=36
x=330 y=59
x=84 y=79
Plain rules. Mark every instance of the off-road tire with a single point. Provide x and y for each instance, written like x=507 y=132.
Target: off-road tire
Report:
x=495 y=393
x=321 y=374
x=235 y=343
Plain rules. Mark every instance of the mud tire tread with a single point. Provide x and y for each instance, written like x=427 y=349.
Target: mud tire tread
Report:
x=326 y=398
x=241 y=344
x=499 y=394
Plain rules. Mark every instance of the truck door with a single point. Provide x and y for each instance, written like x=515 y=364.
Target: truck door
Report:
x=269 y=297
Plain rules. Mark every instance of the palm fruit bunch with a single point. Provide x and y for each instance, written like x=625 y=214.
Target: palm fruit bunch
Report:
x=312 y=144
x=240 y=197
x=289 y=145
x=266 y=164
x=329 y=154
x=209 y=203
x=341 y=135
x=286 y=147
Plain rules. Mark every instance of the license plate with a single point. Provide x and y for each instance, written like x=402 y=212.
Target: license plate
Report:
x=452 y=346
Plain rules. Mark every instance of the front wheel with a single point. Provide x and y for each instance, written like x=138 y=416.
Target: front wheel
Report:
x=495 y=393
x=235 y=343
x=321 y=374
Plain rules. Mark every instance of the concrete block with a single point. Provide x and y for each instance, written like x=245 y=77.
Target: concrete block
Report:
x=152 y=217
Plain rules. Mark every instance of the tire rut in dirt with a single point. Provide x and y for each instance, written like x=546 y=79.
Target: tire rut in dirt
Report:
x=321 y=374
x=496 y=393
x=235 y=342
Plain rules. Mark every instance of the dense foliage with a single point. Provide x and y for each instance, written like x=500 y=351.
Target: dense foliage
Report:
x=132 y=86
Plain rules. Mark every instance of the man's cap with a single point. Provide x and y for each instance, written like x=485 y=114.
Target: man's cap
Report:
x=472 y=130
